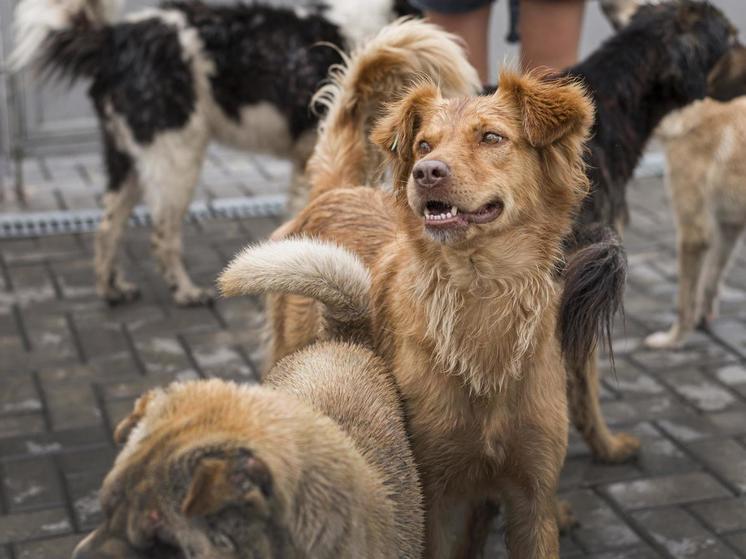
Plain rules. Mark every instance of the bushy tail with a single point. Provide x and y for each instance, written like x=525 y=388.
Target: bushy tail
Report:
x=595 y=277
x=376 y=74
x=301 y=266
x=63 y=36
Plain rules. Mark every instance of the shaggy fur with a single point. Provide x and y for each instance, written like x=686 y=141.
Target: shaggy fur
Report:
x=464 y=308
x=658 y=63
x=165 y=82
x=705 y=176
x=314 y=464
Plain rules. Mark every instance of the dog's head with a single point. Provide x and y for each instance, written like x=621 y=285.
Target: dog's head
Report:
x=728 y=79
x=695 y=35
x=472 y=168
x=187 y=485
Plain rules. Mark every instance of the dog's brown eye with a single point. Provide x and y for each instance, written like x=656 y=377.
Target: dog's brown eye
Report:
x=492 y=138
x=424 y=147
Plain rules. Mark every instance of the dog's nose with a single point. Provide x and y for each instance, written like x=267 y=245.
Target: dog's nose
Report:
x=431 y=173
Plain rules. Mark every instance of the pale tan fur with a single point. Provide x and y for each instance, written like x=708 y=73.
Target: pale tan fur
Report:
x=315 y=464
x=706 y=178
x=467 y=319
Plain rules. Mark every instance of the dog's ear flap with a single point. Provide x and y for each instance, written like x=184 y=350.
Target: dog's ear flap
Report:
x=126 y=425
x=235 y=478
x=395 y=132
x=550 y=108
x=727 y=80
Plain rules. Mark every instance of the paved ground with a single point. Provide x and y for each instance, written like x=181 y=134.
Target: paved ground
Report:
x=70 y=368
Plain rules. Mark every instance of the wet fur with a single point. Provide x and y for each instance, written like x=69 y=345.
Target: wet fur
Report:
x=468 y=324
x=705 y=176
x=166 y=82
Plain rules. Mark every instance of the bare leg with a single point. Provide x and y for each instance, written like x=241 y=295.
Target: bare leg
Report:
x=550 y=33
x=118 y=205
x=586 y=415
x=724 y=244
x=473 y=28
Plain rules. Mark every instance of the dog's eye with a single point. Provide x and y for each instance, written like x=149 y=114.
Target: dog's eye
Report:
x=492 y=138
x=423 y=147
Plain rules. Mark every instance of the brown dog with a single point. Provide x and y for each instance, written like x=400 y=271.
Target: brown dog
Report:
x=314 y=465
x=463 y=259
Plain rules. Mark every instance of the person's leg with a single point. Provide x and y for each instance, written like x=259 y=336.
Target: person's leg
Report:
x=550 y=33
x=473 y=27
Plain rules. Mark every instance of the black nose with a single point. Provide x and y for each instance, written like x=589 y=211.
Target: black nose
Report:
x=431 y=173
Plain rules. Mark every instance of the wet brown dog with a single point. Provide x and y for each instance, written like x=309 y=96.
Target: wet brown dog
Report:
x=316 y=464
x=464 y=296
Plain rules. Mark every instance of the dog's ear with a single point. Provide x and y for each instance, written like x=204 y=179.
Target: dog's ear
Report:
x=233 y=478
x=549 y=108
x=126 y=425
x=727 y=80
x=395 y=132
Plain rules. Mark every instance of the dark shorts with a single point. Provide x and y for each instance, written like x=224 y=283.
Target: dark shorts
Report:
x=449 y=6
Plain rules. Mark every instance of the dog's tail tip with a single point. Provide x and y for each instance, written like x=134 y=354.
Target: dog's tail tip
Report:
x=595 y=277
x=311 y=268
x=37 y=21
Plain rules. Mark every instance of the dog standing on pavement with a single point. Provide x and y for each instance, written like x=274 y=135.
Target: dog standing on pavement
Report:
x=165 y=82
x=706 y=179
x=464 y=297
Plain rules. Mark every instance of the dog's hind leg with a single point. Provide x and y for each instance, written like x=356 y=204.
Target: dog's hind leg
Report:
x=724 y=244
x=122 y=195
x=169 y=180
x=694 y=243
x=586 y=415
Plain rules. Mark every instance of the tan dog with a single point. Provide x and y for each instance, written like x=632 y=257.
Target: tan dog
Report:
x=706 y=173
x=315 y=464
x=464 y=299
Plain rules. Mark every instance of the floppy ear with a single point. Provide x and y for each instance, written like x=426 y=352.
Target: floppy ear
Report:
x=235 y=478
x=395 y=132
x=549 y=108
x=124 y=428
x=727 y=80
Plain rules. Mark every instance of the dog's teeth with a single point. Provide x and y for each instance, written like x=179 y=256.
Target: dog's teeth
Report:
x=427 y=212
x=454 y=211
x=448 y=215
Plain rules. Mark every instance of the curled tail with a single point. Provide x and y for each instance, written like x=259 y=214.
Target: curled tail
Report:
x=320 y=270
x=62 y=36
x=595 y=277
x=379 y=73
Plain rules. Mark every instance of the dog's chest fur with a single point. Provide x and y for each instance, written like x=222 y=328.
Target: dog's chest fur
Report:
x=469 y=363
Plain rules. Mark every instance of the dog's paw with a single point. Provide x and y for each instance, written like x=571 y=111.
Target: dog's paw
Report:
x=120 y=293
x=566 y=520
x=663 y=340
x=194 y=296
x=622 y=447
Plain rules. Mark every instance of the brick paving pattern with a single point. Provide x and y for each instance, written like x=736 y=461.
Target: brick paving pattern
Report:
x=70 y=368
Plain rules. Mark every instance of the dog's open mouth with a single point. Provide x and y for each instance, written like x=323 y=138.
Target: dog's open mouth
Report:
x=442 y=215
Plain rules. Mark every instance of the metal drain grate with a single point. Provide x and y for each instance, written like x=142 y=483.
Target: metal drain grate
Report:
x=39 y=224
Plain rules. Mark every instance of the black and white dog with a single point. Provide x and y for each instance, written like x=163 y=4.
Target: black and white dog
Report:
x=167 y=81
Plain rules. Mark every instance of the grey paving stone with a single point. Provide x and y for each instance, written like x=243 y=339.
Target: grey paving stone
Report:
x=52 y=548
x=723 y=516
x=700 y=391
x=667 y=490
x=681 y=534
x=600 y=528
x=31 y=484
x=726 y=458
x=738 y=541
x=24 y=526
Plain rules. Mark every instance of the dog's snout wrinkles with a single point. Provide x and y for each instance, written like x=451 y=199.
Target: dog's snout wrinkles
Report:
x=431 y=173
